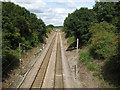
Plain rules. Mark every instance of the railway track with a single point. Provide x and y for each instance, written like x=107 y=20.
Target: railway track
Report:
x=38 y=79
x=58 y=68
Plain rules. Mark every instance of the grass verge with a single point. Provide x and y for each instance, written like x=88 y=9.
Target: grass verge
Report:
x=87 y=59
x=71 y=40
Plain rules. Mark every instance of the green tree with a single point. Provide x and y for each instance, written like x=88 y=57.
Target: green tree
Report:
x=78 y=22
x=19 y=26
x=103 y=42
x=108 y=11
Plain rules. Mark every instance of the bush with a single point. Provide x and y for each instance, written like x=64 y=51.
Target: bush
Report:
x=90 y=66
x=71 y=40
x=48 y=30
x=95 y=73
x=103 y=41
x=10 y=60
x=86 y=58
x=111 y=70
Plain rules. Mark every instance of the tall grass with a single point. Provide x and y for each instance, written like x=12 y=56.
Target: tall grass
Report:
x=87 y=59
x=71 y=40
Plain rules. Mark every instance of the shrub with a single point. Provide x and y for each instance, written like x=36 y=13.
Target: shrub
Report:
x=10 y=60
x=103 y=41
x=86 y=58
x=90 y=66
x=71 y=40
x=95 y=73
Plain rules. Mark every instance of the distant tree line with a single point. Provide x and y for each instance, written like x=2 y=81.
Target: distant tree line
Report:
x=99 y=28
x=19 y=26
x=49 y=28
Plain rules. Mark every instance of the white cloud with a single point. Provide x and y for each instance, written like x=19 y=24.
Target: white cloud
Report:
x=71 y=0
x=68 y=3
x=49 y=14
x=62 y=10
x=32 y=4
x=54 y=16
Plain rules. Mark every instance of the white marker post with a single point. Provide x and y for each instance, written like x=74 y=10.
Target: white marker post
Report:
x=76 y=59
x=43 y=46
x=19 y=53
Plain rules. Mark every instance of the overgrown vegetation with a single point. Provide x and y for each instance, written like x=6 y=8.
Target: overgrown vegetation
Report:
x=49 y=28
x=71 y=40
x=99 y=29
x=19 y=26
x=87 y=59
x=103 y=42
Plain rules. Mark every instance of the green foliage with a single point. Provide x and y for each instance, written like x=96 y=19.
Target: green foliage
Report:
x=96 y=73
x=71 y=40
x=85 y=56
x=77 y=24
x=10 y=60
x=108 y=11
x=58 y=26
x=91 y=66
x=19 y=26
x=49 y=28
x=87 y=59
x=103 y=10
x=112 y=68
x=104 y=44
x=101 y=27
x=117 y=20
x=102 y=40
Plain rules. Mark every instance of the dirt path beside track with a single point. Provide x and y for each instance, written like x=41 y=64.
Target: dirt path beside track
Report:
x=85 y=78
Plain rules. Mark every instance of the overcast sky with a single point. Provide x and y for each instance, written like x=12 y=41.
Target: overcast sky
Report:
x=53 y=11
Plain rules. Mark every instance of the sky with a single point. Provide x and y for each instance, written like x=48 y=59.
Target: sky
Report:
x=53 y=11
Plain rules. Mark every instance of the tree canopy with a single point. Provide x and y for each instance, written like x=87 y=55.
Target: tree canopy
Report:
x=77 y=24
x=99 y=29
x=19 y=26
